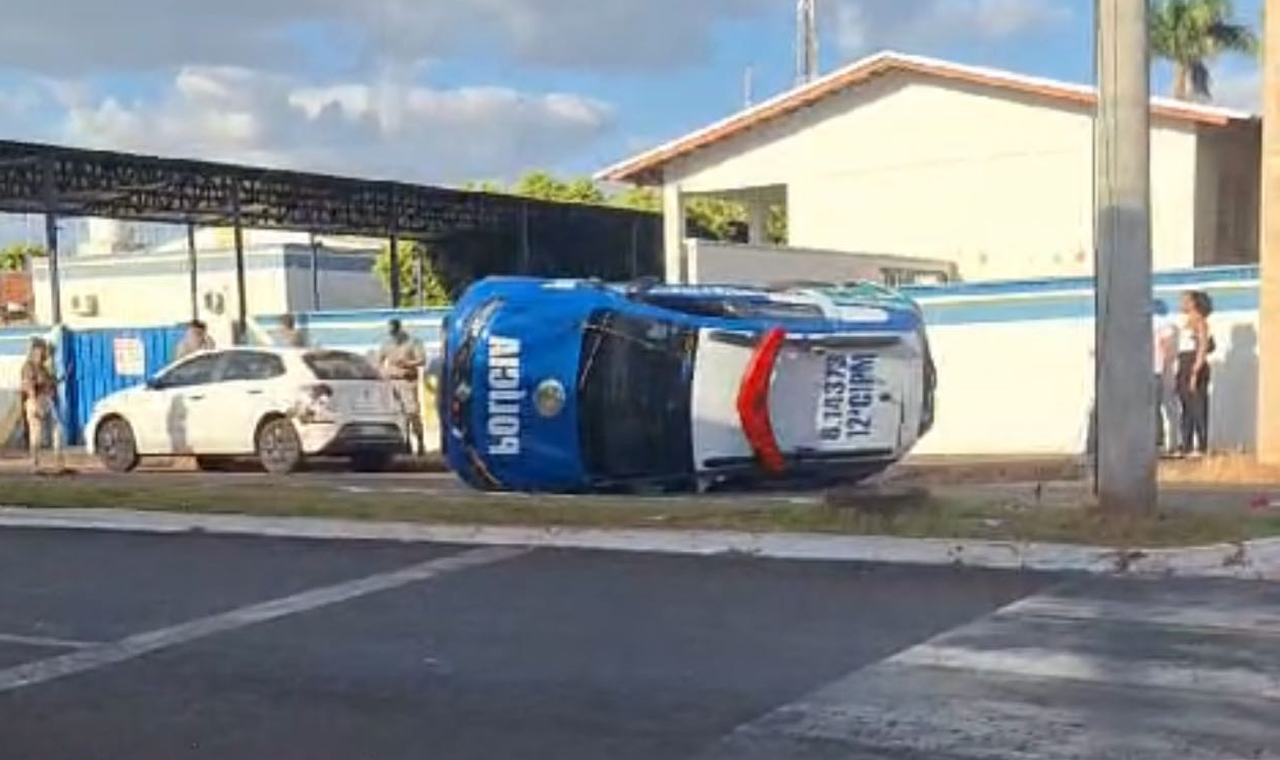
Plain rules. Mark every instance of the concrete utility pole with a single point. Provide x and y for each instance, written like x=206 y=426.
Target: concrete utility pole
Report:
x=1269 y=244
x=806 y=41
x=1126 y=420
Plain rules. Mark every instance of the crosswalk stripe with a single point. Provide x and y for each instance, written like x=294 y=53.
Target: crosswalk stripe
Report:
x=1048 y=663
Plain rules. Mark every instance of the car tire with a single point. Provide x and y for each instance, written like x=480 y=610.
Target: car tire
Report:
x=378 y=461
x=278 y=445
x=116 y=447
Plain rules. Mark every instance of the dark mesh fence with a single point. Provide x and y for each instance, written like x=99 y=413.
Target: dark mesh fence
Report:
x=566 y=240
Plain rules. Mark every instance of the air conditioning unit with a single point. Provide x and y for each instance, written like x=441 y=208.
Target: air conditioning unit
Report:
x=84 y=305
x=215 y=302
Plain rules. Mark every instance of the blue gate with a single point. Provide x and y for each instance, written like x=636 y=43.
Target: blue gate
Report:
x=101 y=362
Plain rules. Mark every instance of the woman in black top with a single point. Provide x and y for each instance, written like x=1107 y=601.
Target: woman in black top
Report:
x=1194 y=346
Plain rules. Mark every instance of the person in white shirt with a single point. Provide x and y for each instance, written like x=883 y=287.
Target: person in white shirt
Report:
x=1165 y=363
x=1195 y=343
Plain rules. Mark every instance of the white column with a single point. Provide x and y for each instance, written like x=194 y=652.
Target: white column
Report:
x=673 y=233
x=757 y=220
x=1269 y=239
x=1126 y=404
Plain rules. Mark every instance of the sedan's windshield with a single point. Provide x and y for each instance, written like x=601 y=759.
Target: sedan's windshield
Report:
x=634 y=388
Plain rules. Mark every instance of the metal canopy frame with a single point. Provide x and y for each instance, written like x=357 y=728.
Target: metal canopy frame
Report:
x=62 y=181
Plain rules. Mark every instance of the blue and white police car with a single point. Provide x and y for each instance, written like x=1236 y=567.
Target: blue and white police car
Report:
x=578 y=386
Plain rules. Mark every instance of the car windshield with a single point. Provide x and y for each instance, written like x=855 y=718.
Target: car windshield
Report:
x=635 y=387
x=339 y=365
x=462 y=363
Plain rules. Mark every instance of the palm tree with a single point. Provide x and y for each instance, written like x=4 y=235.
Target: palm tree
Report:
x=1190 y=34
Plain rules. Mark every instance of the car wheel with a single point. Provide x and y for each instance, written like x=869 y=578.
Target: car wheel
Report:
x=115 y=444
x=378 y=461
x=279 y=449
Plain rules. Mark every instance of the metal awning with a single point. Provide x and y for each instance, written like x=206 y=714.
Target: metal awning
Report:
x=60 y=181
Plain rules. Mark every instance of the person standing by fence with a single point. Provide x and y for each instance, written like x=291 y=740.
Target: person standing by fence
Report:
x=197 y=339
x=40 y=403
x=290 y=335
x=401 y=358
x=1194 y=346
x=1168 y=413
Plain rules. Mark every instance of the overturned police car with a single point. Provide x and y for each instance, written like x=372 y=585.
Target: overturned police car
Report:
x=578 y=386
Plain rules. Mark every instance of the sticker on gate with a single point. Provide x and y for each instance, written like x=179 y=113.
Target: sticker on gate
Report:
x=848 y=399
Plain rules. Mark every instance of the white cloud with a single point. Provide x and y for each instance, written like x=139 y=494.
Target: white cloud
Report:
x=865 y=25
x=390 y=127
x=71 y=37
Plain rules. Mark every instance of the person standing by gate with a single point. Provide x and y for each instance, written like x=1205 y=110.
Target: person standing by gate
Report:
x=401 y=358
x=40 y=405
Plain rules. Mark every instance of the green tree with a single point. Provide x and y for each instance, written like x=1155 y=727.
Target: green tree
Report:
x=638 y=198
x=437 y=292
x=545 y=186
x=1190 y=34
x=14 y=257
x=710 y=217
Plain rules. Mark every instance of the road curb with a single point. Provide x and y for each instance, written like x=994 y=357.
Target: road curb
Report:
x=1250 y=559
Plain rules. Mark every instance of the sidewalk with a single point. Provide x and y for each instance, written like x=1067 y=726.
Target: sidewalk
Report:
x=1257 y=560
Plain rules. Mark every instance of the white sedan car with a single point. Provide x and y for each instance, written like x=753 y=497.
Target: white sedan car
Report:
x=281 y=405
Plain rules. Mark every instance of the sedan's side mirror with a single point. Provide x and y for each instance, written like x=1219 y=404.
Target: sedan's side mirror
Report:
x=152 y=384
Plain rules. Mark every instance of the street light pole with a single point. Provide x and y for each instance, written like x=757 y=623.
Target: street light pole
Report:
x=1269 y=244
x=1126 y=422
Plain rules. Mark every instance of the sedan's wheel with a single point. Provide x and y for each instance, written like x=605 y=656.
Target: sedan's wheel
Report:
x=117 y=449
x=279 y=449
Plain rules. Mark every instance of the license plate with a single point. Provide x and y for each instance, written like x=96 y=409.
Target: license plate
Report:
x=849 y=398
x=370 y=430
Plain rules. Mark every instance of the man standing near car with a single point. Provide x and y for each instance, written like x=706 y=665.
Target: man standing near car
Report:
x=290 y=335
x=197 y=339
x=401 y=358
x=40 y=403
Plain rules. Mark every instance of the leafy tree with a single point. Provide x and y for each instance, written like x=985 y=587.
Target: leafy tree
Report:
x=1190 y=34
x=638 y=198
x=487 y=186
x=544 y=186
x=14 y=257
x=711 y=218
x=437 y=292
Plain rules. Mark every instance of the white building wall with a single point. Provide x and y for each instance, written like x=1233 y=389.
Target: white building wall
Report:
x=1001 y=185
x=150 y=289
x=1011 y=381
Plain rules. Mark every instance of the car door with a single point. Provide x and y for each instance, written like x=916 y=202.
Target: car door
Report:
x=162 y=418
x=245 y=392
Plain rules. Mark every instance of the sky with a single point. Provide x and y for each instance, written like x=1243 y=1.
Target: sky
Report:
x=443 y=91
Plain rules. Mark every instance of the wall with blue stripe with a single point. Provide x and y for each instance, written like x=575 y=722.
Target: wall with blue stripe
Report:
x=1014 y=358
x=1015 y=361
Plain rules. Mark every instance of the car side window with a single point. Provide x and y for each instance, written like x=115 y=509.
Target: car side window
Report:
x=252 y=365
x=197 y=371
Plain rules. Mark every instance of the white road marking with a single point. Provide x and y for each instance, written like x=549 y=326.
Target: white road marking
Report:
x=1035 y=662
x=1251 y=617
x=45 y=641
x=1162 y=671
x=99 y=656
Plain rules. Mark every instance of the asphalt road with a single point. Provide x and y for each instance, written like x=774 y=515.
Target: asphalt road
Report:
x=195 y=646
x=542 y=654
